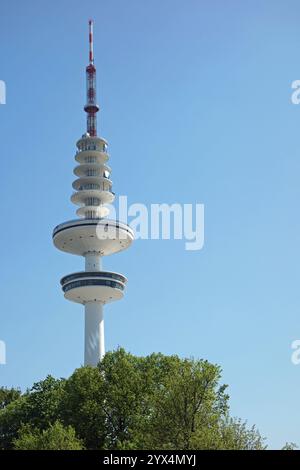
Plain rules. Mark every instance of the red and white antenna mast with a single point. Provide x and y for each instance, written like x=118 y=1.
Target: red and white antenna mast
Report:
x=91 y=107
x=91 y=41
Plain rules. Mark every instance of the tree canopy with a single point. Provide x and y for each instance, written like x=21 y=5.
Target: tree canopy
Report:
x=127 y=402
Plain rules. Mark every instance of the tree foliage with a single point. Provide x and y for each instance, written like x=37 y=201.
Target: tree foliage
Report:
x=55 y=437
x=127 y=402
x=7 y=395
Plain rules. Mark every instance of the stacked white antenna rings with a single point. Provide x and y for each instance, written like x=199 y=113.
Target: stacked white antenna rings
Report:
x=93 y=188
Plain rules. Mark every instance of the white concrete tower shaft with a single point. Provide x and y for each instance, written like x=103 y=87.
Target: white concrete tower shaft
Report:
x=94 y=346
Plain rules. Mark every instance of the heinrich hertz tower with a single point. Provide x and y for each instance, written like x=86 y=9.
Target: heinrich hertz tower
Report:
x=92 y=235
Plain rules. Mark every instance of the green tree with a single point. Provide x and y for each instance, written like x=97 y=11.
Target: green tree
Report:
x=7 y=395
x=233 y=434
x=131 y=384
x=290 y=446
x=187 y=401
x=126 y=398
x=42 y=402
x=82 y=406
x=55 y=437
x=129 y=402
x=38 y=407
x=11 y=418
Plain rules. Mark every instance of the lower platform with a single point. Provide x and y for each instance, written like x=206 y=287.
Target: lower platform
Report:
x=94 y=286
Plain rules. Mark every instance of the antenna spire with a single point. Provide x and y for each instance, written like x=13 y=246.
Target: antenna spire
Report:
x=91 y=107
x=91 y=54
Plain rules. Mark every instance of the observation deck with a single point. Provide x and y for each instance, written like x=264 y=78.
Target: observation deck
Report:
x=101 y=236
x=94 y=286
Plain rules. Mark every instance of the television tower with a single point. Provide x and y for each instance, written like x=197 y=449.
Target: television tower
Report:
x=92 y=235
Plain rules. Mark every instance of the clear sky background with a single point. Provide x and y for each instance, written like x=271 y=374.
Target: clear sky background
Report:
x=196 y=106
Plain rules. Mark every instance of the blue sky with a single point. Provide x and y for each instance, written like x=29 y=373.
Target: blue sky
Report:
x=196 y=105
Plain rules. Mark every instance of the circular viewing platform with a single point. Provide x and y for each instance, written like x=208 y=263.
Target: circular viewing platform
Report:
x=101 y=236
x=99 y=286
